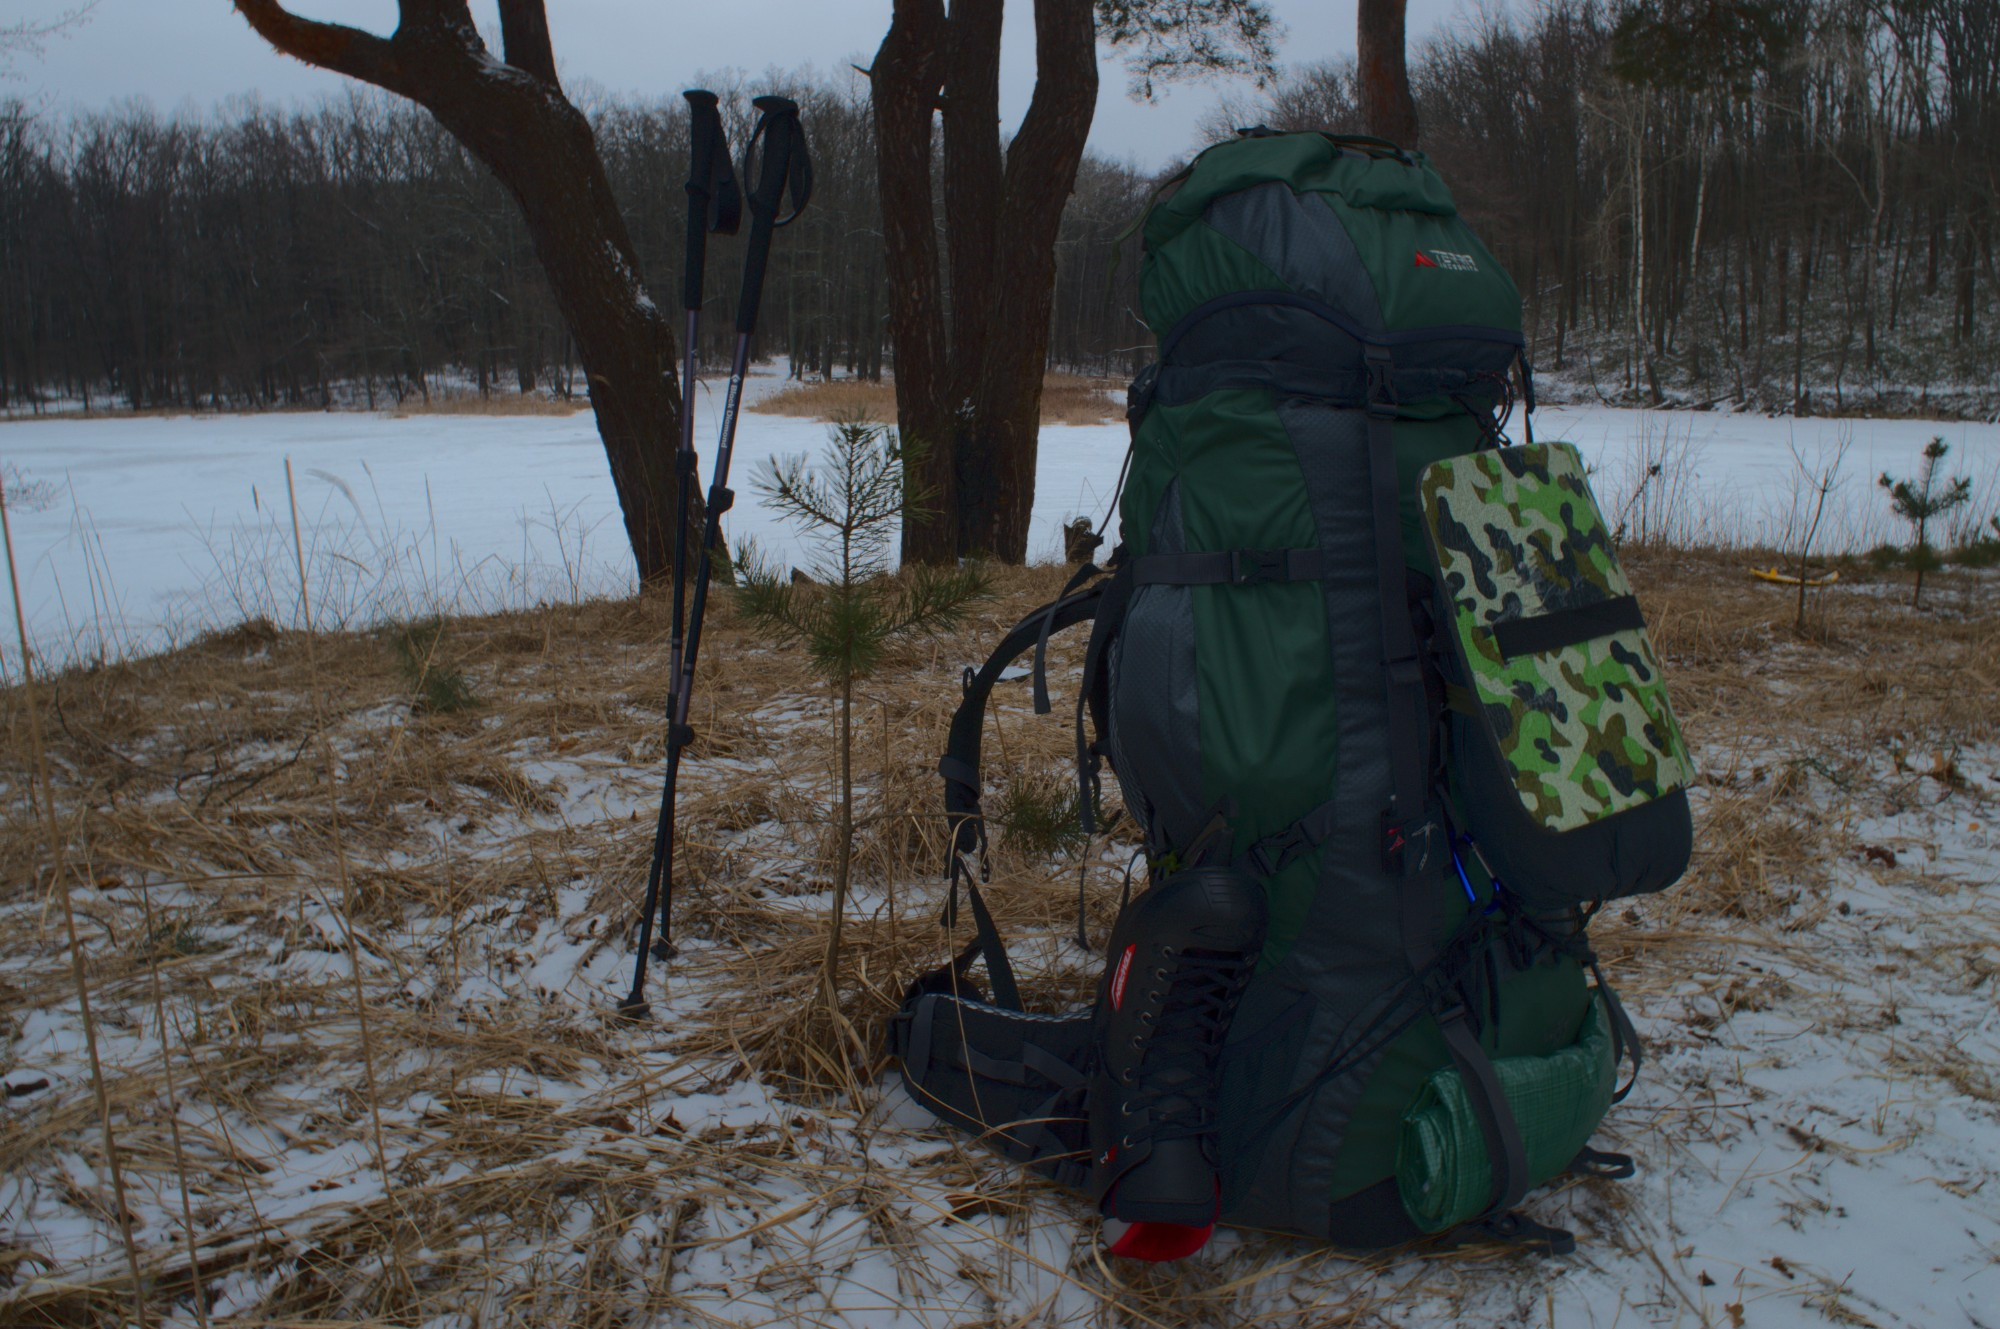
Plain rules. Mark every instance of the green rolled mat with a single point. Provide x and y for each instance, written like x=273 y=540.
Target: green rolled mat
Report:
x=1442 y=1170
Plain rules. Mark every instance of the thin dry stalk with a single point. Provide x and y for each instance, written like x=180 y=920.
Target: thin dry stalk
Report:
x=60 y=867
x=339 y=845
x=173 y=1100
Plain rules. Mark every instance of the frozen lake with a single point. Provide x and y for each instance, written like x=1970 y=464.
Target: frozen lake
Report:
x=138 y=533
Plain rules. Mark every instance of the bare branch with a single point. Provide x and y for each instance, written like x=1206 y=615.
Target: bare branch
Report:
x=524 y=30
x=334 y=46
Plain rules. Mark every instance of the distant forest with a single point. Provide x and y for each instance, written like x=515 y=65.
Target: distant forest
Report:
x=1788 y=205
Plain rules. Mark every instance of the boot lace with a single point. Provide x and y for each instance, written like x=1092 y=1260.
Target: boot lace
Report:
x=1175 y=1077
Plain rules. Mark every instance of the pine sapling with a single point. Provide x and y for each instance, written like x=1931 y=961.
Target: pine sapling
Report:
x=850 y=509
x=1918 y=502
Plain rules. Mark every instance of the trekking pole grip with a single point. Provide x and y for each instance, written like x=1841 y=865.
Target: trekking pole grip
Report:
x=783 y=170
x=714 y=202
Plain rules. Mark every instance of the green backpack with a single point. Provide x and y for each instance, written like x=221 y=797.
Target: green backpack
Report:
x=1360 y=645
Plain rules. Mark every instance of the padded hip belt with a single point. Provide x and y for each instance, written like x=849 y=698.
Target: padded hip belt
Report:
x=1014 y=1079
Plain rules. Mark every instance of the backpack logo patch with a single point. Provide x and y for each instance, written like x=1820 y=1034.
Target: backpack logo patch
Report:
x=1446 y=259
x=1118 y=979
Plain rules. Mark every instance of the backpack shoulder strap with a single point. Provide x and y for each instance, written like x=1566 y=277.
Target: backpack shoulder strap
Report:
x=960 y=768
x=960 y=764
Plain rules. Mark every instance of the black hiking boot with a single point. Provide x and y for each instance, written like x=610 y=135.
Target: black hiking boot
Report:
x=1180 y=957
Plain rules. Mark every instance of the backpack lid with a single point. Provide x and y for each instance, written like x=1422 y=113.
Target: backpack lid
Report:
x=1367 y=230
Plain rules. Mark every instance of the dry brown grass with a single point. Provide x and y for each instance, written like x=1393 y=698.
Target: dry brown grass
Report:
x=1067 y=399
x=547 y=1166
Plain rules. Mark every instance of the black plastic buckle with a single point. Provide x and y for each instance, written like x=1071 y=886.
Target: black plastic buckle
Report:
x=1274 y=853
x=1247 y=567
x=721 y=499
x=679 y=735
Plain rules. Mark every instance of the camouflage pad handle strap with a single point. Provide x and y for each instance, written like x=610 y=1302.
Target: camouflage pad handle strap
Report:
x=1552 y=631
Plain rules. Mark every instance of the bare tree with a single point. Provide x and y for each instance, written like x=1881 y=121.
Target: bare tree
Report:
x=514 y=117
x=27 y=36
x=1803 y=224
x=971 y=324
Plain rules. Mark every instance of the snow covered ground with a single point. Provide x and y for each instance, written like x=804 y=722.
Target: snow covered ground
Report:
x=138 y=533
x=1818 y=1123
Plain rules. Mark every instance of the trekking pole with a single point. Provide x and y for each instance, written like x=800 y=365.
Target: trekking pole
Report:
x=715 y=205
x=784 y=172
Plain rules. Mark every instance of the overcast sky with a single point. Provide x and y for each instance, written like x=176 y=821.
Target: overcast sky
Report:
x=188 y=55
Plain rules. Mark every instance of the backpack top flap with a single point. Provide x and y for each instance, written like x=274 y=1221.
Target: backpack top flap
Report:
x=1563 y=677
x=1371 y=240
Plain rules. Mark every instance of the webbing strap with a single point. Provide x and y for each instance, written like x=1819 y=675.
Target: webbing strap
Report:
x=1519 y=1231
x=1407 y=830
x=1567 y=627
x=960 y=764
x=1625 y=1041
x=1603 y=1163
x=1272 y=854
x=960 y=768
x=999 y=969
x=1048 y=617
x=1110 y=615
x=1505 y=1149
x=1034 y=1061
x=1328 y=314
x=1233 y=567
x=1527 y=398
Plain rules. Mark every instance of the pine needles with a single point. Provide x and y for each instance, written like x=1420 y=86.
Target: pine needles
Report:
x=435 y=686
x=850 y=509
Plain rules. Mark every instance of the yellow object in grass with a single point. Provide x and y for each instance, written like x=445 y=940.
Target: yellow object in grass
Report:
x=1787 y=579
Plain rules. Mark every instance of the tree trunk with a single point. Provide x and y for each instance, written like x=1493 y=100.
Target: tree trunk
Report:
x=907 y=79
x=973 y=400
x=1387 y=107
x=515 y=118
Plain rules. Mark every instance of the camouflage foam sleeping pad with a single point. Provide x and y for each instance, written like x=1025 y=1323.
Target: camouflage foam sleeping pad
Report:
x=1561 y=680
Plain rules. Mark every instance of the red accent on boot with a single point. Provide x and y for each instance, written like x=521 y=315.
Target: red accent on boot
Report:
x=1156 y=1241
x=1118 y=979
